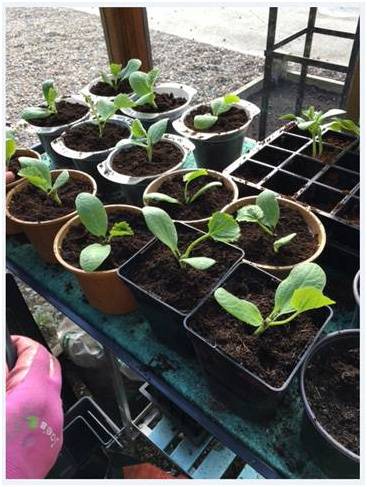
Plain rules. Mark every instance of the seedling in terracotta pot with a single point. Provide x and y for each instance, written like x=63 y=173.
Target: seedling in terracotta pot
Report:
x=301 y=291
x=94 y=217
x=10 y=146
x=143 y=85
x=188 y=198
x=118 y=74
x=38 y=174
x=221 y=228
x=218 y=106
x=50 y=94
x=266 y=214
x=147 y=138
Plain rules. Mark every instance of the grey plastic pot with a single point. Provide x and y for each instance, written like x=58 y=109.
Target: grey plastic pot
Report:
x=88 y=161
x=216 y=150
x=178 y=90
x=132 y=188
x=47 y=135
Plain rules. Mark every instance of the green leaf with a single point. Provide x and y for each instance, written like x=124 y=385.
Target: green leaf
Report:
x=35 y=113
x=132 y=66
x=61 y=179
x=46 y=86
x=239 y=308
x=105 y=109
x=35 y=177
x=203 y=122
x=161 y=226
x=333 y=112
x=267 y=200
x=137 y=130
x=223 y=227
x=115 y=69
x=92 y=214
x=39 y=168
x=139 y=83
x=231 y=98
x=199 y=263
x=204 y=189
x=345 y=125
x=190 y=176
x=218 y=106
x=121 y=229
x=288 y=116
x=305 y=125
x=10 y=149
x=283 y=241
x=123 y=101
x=307 y=274
x=164 y=198
x=157 y=130
x=148 y=99
x=152 y=77
x=93 y=256
x=249 y=213
x=106 y=79
x=307 y=298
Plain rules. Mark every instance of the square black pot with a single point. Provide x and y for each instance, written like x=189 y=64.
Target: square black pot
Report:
x=284 y=183
x=303 y=166
x=165 y=320
x=338 y=178
x=321 y=197
x=242 y=390
x=289 y=141
x=271 y=155
x=252 y=171
x=349 y=160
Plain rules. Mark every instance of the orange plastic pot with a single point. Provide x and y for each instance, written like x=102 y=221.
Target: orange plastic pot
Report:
x=42 y=233
x=103 y=289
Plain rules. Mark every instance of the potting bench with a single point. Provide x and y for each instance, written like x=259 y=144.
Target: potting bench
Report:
x=272 y=449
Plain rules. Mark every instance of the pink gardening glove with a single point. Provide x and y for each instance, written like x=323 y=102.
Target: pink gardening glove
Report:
x=34 y=416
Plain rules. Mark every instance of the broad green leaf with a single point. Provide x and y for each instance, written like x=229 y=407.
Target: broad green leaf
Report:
x=29 y=161
x=287 y=116
x=40 y=168
x=333 y=112
x=105 y=109
x=190 y=176
x=302 y=275
x=204 y=189
x=121 y=229
x=267 y=200
x=52 y=95
x=283 y=241
x=231 y=98
x=115 y=69
x=106 y=79
x=203 y=122
x=157 y=130
x=137 y=130
x=345 y=125
x=239 y=308
x=34 y=113
x=92 y=214
x=132 y=66
x=47 y=85
x=161 y=226
x=93 y=256
x=148 y=99
x=34 y=176
x=305 y=125
x=249 y=213
x=199 y=263
x=307 y=298
x=139 y=83
x=164 y=198
x=123 y=101
x=61 y=179
x=223 y=227
x=10 y=149
x=218 y=106
x=152 y=77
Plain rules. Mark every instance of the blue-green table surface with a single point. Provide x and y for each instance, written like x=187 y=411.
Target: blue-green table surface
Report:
x=273 y=447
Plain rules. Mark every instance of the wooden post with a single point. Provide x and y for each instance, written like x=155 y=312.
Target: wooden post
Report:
x=127 y=35
x=353 y=96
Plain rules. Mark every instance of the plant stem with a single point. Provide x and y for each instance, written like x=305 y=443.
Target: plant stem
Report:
x=186 y=197
x=193 y=244
x=53 y=195
x=149 y=149
x=314 y=151
x=284 y=322
x=265 y=228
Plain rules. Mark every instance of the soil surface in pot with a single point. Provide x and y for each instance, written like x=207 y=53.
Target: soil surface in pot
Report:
x=67 y=112
x=134 y=161
x=231 y=120
x=328 y=155
x=164 y=102
x=85 y=138
x=203 y=207
x=337 y=140
x=332 y=389
x=122 y=248
x=158 y=272
x=258 y=245
x=33 y=205
x=273 y=355
x=104 y=89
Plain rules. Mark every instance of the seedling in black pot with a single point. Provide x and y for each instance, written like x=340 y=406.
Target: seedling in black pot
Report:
x=217 y=106
x=147 y=138
x=50 y=94
x=143 y=85
x=118 y=74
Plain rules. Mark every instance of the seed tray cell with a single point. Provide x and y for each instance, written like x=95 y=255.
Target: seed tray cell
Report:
x=253 y=171
x=296 y=131
x=339 y=139
x=321 y=197
x=271 y=155
x=289 y=142
x=247 y=189
x=349 y=160
x=327 y=149
x=338 y=178
x=284 y=183
x=350 y=211
x=303 y=166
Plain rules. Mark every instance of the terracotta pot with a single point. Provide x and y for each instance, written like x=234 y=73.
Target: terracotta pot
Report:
x=41 y=234
x=13 y=228
x=227 y=181
x=314 y=224
x=103 y=289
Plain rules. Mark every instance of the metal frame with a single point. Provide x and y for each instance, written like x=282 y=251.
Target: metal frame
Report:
x=272 y=53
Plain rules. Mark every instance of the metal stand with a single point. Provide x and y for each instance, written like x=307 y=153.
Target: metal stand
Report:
x=271 y=54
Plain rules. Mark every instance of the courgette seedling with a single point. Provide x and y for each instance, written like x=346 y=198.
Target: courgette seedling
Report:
x=217 y=106
x=344 y=125
x=50 y=94
x=118 y=74
x=266 y=214
x=314 y=121
x=38 y=174
x=103 y=110
x=10 y=146
x=147 y=138
x=94 y=217
x=143 y=85
x=301 y=291
x=188 y=198
x=221 y=228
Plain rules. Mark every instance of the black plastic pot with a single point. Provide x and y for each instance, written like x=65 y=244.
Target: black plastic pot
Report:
x=333 y=458
x=165 y=320
x=242 y=390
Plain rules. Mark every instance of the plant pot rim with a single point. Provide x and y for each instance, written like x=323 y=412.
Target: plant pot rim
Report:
x=106 y=169
x=58 y=144
x=179 y=125
x=187 y=90
x=324 y=342
x=212 y=172
x=51 y=130
x=302 y=356
x=156 y=297
x=356 y=287
x=20 y=186
x=63 y=232
x=29 y=153
x=301 y=209
x=86 y=91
